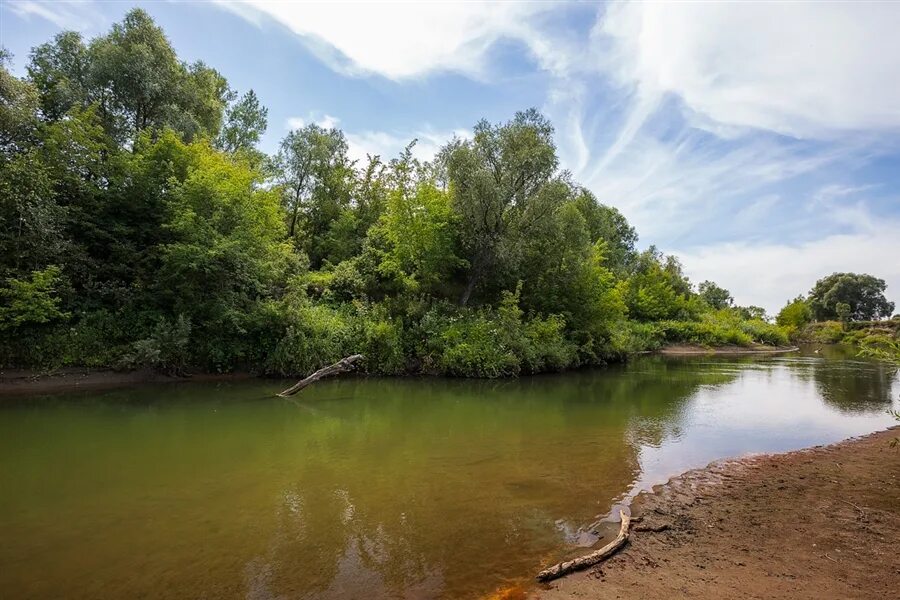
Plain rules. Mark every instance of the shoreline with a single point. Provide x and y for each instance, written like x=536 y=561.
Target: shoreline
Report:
x=15 y=382
x=693 y=350
x=819 y=522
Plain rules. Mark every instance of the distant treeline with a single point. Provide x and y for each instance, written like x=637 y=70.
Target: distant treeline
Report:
x=142 y=227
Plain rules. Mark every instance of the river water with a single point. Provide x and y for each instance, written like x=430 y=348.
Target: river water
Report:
x=382 y=488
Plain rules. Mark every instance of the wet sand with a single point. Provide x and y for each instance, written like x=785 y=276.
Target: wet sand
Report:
x=15 y=382
x=817 y=523
x=691 y=350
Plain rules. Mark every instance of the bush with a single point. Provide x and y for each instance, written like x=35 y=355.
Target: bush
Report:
x=312 y=336
x=765 y=333
x=827 y=332
x=166 y=350
x=703 y=333
x=493 y=343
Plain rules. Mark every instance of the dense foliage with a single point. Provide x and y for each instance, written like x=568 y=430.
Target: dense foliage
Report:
x=844 y=308
x=141 y=226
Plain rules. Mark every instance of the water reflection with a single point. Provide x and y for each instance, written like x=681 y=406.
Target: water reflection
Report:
x=380 y=488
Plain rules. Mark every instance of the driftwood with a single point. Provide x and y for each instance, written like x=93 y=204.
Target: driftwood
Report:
x=560 y=569
x=341 y=366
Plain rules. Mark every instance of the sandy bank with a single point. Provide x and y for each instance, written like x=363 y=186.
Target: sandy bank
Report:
x=816 y=523
x=13 y=382
x=685 y=350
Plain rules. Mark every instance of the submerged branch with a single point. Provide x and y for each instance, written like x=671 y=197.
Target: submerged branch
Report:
x=341 y=366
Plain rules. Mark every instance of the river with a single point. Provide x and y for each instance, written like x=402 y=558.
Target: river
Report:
x=382 y=488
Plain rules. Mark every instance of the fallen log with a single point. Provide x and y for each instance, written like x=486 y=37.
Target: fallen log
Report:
x=341 y=366
x=560 y=569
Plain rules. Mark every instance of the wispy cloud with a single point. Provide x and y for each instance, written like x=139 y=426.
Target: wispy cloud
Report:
x=802 y=69
x=75 y=15
x=401 y=40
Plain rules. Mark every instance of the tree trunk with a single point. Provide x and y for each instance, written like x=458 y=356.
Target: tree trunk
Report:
x=560 y=569
x=341 y=366
x=467 y=293
x=474 y=276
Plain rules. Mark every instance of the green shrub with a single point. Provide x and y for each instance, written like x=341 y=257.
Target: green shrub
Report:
x=493 y=343
x=765 y=333
x=166 y=350
x=703 y=333
x=312 y=336
x=827 y=332
x=380 y=338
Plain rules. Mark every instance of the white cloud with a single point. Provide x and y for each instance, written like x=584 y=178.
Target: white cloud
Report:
x=401 y=40
x=768 y=275
x=74 y=15
x=389 y=145
x=323 y=120
x=804 y=69
x=292 y=123
x=682 y=182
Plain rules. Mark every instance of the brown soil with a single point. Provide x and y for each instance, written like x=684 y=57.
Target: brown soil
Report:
x=817 y=523
x=14 y=382
x=684 y=349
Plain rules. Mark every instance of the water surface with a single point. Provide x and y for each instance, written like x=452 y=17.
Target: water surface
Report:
x=381 y=488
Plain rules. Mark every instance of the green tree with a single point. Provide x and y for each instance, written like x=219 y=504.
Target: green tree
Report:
x=60 y=71
x=795 y=313
x=752 y=312
x=608 y=224
x=245 y=122
x=226 y=250
x=658 y=289
x=502 y=183
x=134 y=76
x=863 y=294
x=314 y=172
x=717 y=297
x=31 y=301
x=419 y=228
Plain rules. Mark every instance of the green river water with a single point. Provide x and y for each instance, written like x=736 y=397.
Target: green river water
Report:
x=382 y=488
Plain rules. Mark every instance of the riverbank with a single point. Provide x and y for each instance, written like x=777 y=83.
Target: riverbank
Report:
x=30 y=381
x=817 y=523
x=24 y=381
x=691 y=350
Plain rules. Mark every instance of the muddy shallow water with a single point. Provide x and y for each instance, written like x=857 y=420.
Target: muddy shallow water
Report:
x=369 y=488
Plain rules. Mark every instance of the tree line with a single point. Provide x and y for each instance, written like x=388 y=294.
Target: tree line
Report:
x=142 y=227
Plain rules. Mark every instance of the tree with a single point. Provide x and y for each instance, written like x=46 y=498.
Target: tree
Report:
x=502 y=186
x=32 y=301
x=752 y=312
x=608 y=224
x=314 y=172
x=658 y=289
x=418 y=226
x=717 y=297
x=863 y=294
x=60 y=71
x=795 y=313
x=245 y=122
x=135 y=77
x=31 y=219
x=225 y=249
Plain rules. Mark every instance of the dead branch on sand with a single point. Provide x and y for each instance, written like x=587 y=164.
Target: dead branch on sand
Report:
x=560 y=569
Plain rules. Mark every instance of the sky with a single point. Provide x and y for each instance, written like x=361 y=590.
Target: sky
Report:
x=759 y=142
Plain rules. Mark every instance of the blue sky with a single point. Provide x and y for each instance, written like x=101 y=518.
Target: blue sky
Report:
x=758 y=142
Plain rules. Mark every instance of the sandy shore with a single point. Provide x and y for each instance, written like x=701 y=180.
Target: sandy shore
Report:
x=690 y=350
x=816 y=523
x=15 y=382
